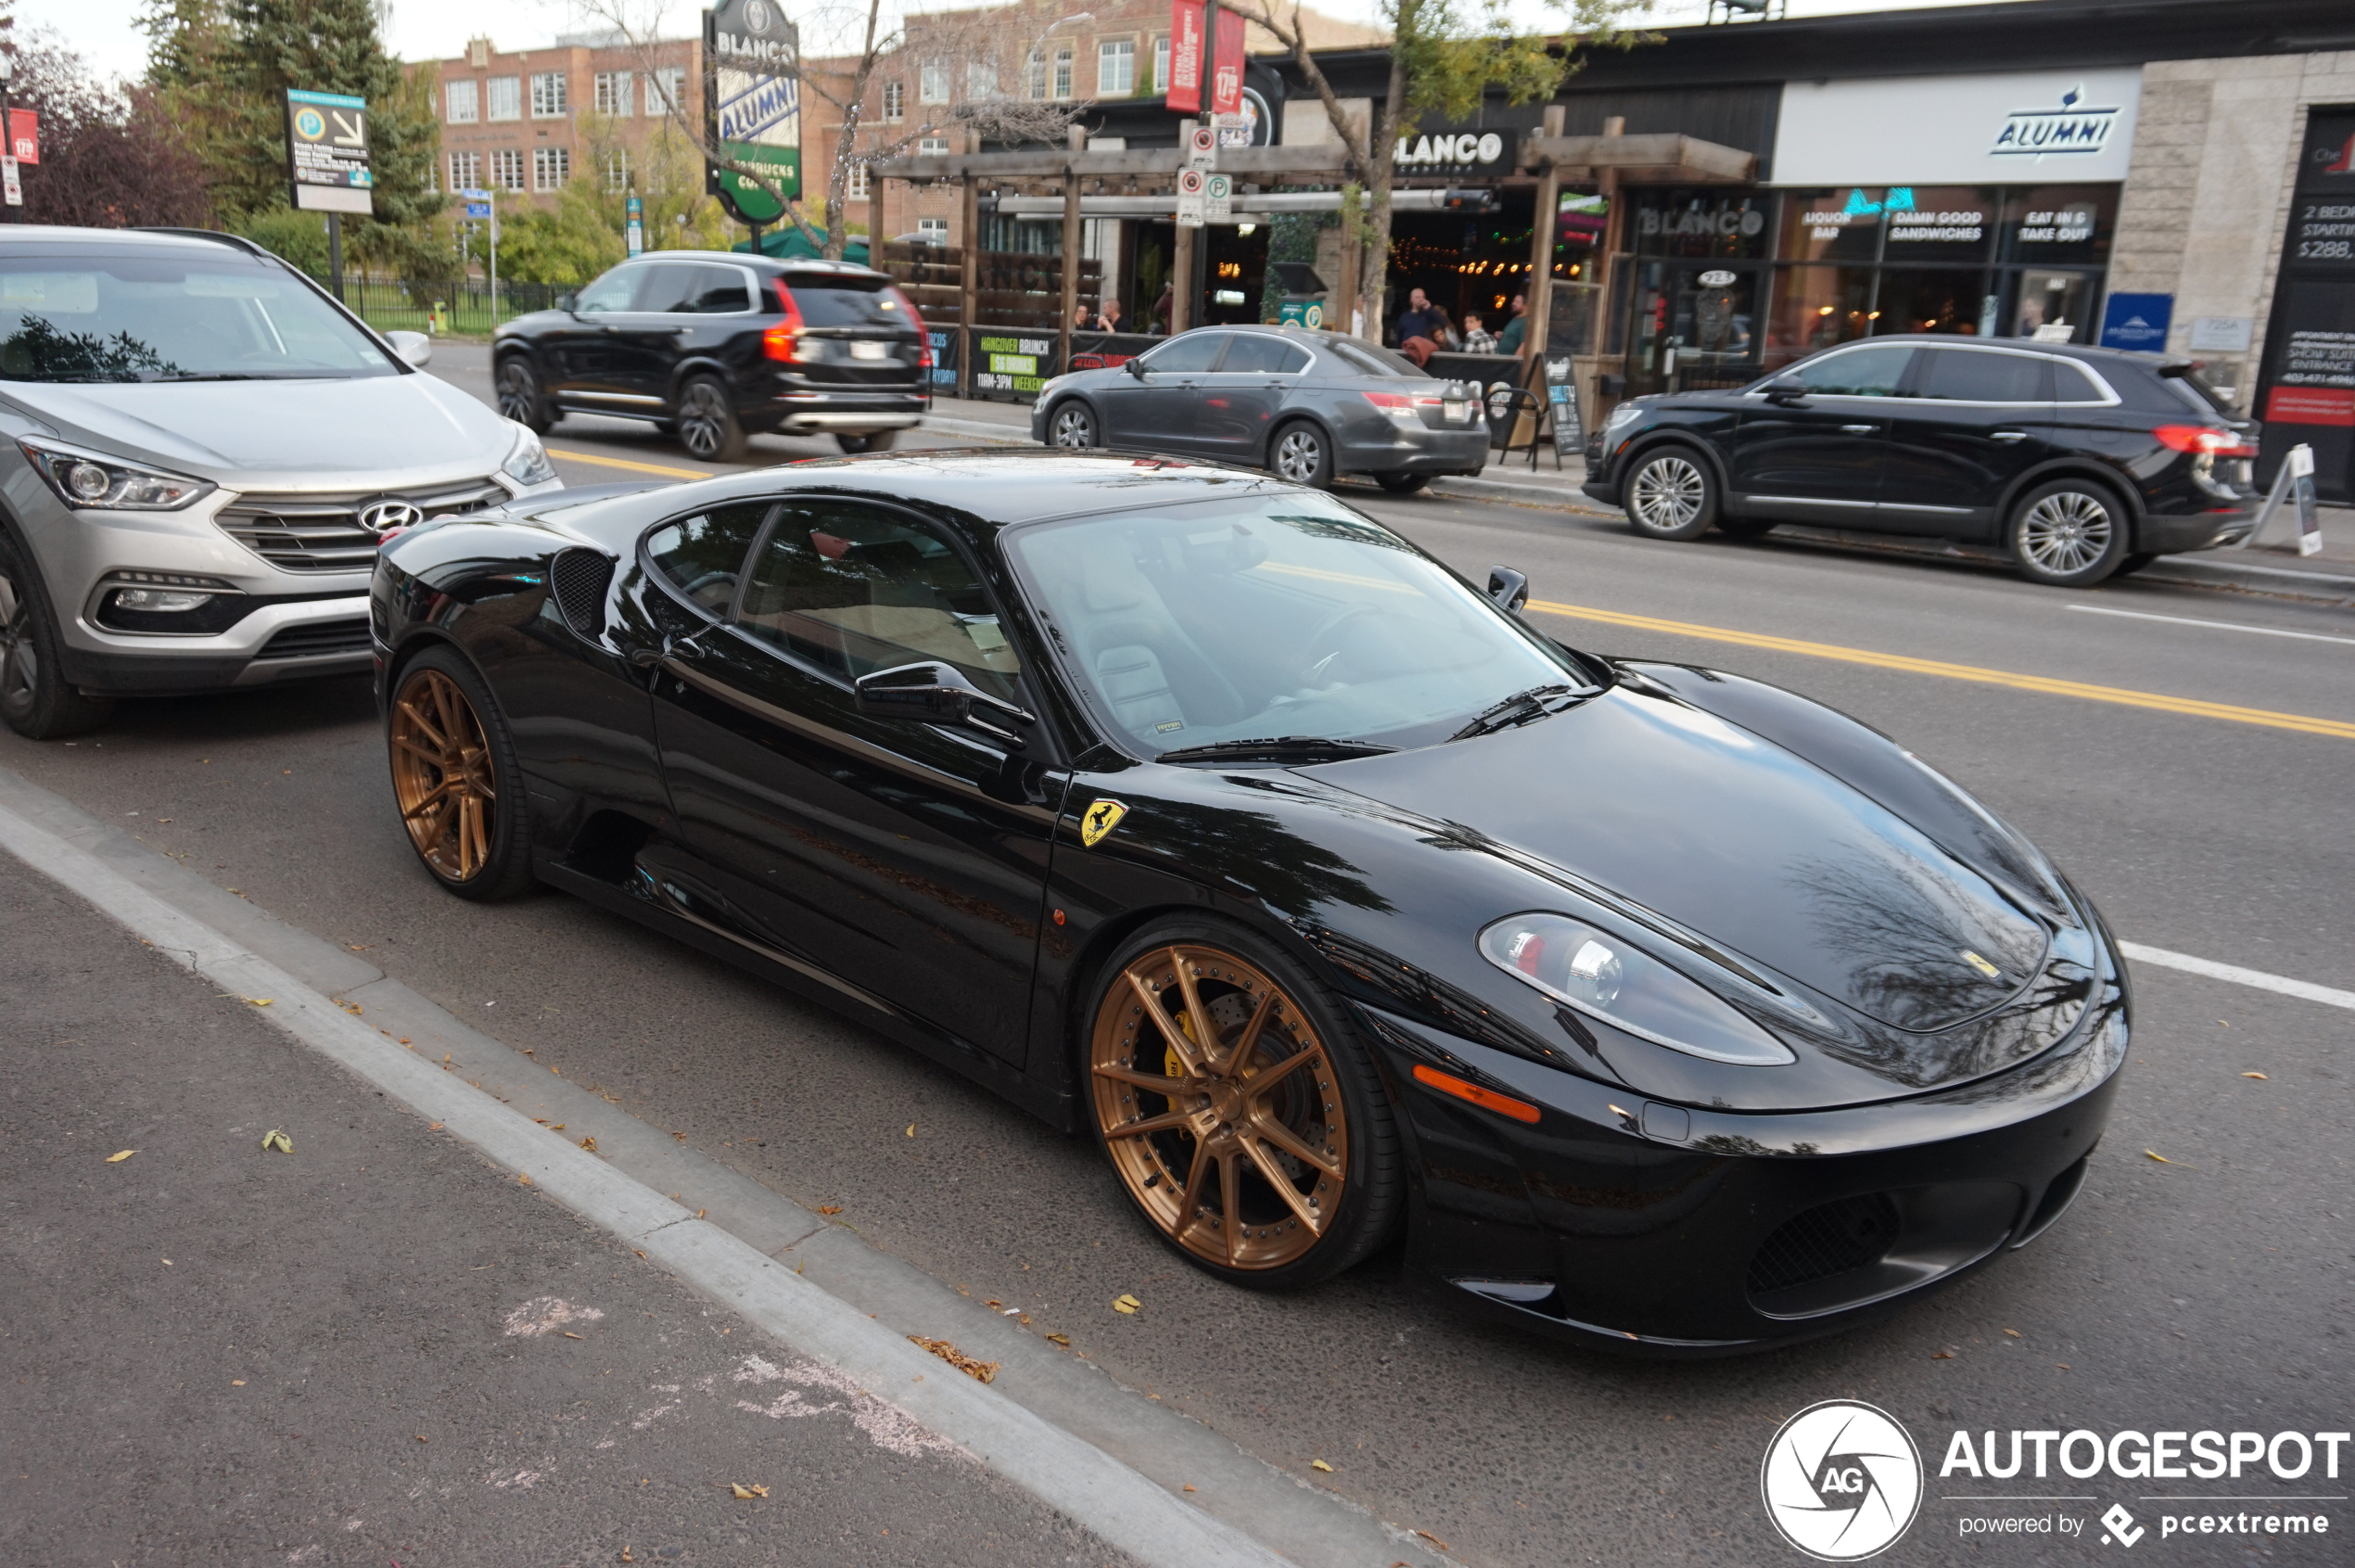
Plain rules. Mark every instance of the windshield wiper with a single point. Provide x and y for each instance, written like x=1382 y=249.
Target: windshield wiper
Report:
x=1519 y=709
x=1278 y=748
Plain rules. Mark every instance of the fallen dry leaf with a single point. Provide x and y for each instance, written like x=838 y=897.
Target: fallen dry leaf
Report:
x=118 y=1159
x=1126 y=1306
x=980 y=1371
x=523 y=1178
x=2014 y=1333
x=1189 y=1488
x=435 y=1127
x=2162 y=1159
x=747 y=1492
x=829 y=1208
x=423 y=1438
x=351 y=1007
x=1433 y=1539
x=569 y=1334
x=1943 y=1356
x=639 y=1252
x=590 y=1144
x=557 y=1128
x=1319 y=1464
x=993 y=1304
x=258 y=1001
x=681 y=1136
x=274 y=1138
x=2062 y=1365
x=1064 y=1340
x=912 y=1129
x=2256 y=1075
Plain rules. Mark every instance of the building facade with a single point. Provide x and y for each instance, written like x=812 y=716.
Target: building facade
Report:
x=527 y=123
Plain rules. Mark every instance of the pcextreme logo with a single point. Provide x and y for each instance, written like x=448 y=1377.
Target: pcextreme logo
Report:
x=1841 y=1480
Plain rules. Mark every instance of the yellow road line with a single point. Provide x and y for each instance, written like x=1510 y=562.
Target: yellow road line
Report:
x=2122 y=695
x=633 y=468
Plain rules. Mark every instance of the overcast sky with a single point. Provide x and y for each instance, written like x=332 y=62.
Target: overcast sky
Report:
x=102 y=30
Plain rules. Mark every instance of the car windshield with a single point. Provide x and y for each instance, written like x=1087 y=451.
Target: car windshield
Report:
x=1283 y=615
x=133 y=315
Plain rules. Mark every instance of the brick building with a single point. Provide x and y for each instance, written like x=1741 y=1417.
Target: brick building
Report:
x=526 y=123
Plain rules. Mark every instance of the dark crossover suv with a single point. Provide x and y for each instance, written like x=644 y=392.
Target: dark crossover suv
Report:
x=715 y=346
x=1307 y=405
x=2081 y=462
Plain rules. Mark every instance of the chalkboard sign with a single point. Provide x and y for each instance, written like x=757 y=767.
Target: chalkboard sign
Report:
x=1561 y=392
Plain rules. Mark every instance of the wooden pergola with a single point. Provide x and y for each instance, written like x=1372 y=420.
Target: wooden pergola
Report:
x=1611 y=160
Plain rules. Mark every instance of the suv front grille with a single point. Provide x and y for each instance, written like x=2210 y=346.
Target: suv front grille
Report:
x=318 y=638
x=315 y=532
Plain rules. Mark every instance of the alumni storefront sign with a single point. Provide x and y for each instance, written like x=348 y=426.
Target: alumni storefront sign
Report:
x=1995 y=129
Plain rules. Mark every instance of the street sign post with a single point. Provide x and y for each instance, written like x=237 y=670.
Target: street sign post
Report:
x=634 y=231
x=327 y=164
x=1190 y=197
x=752 y=107
x=485 y=204
x=10 y=184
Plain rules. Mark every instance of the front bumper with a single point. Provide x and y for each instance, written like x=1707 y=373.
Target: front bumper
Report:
x=1669 y=1230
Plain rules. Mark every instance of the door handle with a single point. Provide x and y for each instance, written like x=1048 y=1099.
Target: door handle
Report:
x=1860 y=429
x=2008 y=436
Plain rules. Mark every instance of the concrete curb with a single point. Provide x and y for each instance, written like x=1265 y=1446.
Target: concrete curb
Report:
x=1052 y=1423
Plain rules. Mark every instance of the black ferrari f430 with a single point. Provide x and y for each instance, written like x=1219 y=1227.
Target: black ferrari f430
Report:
x=1659 y=1007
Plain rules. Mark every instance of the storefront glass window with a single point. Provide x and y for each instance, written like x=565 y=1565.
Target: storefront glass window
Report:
x=2057 y=225
x=1838 y=225
x=1815 y=308
x=1703 y=224
x=2051 y=298
x=1946 y=300
x=1939 y=223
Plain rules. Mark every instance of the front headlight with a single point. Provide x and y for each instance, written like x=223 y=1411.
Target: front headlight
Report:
x=92 y=481
x=1626 y=414
x=1611 y=979
x=527 y=462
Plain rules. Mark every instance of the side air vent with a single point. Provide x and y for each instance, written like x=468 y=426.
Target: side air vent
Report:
x=580 y=577
x=1828 y=1240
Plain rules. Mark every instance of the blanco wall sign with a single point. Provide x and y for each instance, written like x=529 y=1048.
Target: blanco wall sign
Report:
x=2000 y=128
x=1454 y=152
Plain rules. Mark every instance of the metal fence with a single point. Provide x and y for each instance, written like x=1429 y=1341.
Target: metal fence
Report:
x=461 y=305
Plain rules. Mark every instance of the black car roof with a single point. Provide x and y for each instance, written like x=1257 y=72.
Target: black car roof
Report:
x=764 y=263
x=2087 y=351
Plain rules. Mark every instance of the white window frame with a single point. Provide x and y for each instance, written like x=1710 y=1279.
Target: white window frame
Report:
x=1062 y=72
x=617 y=168
x=932 y=82
x=544 y=160
x=1161 y=64
x=981 y=80
x=932 y=146
x=933 y=225
x=895 y=102
x=612 y=91
x=675 y=78
x=551 y=94
x=1115 y=67
x=466 y=171
x=461 y=101
x=1034 y=75
x=509 y=88
x=506 y=168
x=855 y=184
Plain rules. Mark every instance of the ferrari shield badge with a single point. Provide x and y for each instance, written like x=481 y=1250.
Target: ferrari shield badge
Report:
x=1100 y=818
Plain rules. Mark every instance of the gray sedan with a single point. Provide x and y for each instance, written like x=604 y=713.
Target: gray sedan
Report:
x=1308 y=406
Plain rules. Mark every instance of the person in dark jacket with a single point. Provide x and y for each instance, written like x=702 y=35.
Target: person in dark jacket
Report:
x=1419 y=327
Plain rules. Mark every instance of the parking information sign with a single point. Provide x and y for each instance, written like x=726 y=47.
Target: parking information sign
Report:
x=1219 y=198
x=327 y=153
x=752 y=105
x=1201 y=148
x=634 y=231
x=1190 y=197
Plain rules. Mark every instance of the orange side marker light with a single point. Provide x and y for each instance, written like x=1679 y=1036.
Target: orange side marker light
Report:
x=1487 y=1099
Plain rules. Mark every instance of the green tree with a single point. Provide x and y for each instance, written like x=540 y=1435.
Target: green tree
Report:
x=226 y=65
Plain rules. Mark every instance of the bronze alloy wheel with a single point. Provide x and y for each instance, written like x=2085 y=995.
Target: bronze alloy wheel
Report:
x=1219 y=1102
x=441 y=775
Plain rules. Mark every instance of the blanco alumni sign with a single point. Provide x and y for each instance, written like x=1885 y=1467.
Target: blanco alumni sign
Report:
x=2007 y=128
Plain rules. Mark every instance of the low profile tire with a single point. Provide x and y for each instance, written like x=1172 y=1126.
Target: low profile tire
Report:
x=456 y=781
x=1241 y=1111
x=1402 y=484
x=874 y=441
x=1746 y=528
x=1672 y=495
x=1300 y=453
x=707 y=425
x=521 y=397
x=1073 y=426
x=2071 y=533
x=34 y=699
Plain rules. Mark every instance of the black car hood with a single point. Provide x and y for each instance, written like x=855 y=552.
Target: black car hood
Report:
x=1733 y=838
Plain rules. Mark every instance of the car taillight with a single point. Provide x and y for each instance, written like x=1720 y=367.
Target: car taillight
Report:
x=1400 y=402
x=924 y=339
x=782 y=341
x=2205 y=439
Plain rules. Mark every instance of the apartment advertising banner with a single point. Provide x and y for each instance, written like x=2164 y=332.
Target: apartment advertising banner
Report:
x=752 y=106
x=1184 y=58
x=2307 y=390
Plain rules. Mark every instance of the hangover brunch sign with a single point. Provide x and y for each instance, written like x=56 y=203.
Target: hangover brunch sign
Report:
x=752 y=105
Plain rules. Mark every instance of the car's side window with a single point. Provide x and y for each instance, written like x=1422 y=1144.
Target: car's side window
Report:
x=1984 y=375
x=670 y=289
x=611 y=292
x=718 y=291
x=703 y=556
x=1188 y=351
x=853 y=589
x=2070 y=384
x=1296 y=360
x=1875 y=371
x=1250 y=351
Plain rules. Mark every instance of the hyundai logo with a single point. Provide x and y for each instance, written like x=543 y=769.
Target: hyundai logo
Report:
x=382 y=517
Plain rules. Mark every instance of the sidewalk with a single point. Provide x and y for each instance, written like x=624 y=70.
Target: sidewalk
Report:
x=379 y=1347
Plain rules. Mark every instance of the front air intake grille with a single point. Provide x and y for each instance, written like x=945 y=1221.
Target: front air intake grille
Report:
x=1830 y=1239
x=317 y=639
x=580 y=577
x=322 y=532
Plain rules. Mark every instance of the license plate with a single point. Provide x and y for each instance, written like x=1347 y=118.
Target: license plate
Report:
x=1456 y=410
x=871 y=351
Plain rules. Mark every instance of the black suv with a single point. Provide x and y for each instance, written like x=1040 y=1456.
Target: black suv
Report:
x=714 y=346
x=2081 y=462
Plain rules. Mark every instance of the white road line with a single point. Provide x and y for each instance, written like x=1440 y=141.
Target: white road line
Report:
x=2218 y=624
x=1128 y=1510
x=2303 y=989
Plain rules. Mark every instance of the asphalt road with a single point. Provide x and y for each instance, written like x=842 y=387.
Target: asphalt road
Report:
x=2208 y=1289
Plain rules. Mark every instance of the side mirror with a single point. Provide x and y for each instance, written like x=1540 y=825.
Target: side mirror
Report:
x=1508 y=588
x=414 y=346
x=569 y=303
x=1134 y=367
x=1787 y=389
x=940 y=693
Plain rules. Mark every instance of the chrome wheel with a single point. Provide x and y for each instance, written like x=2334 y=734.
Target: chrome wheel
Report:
x=1220 y=1106
x=1667 y=494
x=441 y=775
x=1299 y=455
x=2066 y=533
x=1073 y=426
x=704 y=420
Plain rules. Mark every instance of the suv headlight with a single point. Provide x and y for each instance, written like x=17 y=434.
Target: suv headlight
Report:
x=1626 y=414
x=527 y=462
x=1599 y=974
x=92 y=481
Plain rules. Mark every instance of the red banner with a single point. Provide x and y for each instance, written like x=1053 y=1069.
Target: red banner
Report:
x=2311 y=405
x=1226 y=66
x=24 y=136
x=1184 y=58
